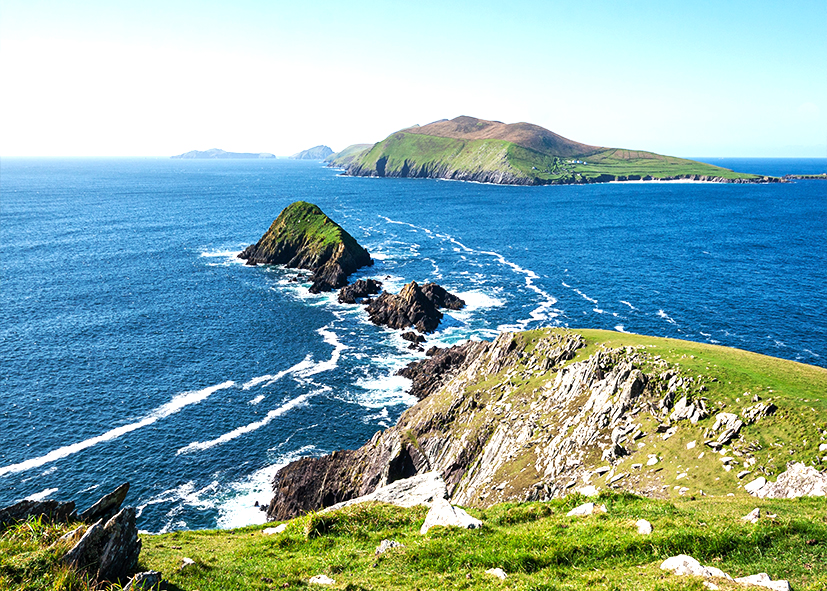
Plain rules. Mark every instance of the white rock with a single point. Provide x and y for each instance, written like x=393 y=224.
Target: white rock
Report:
x=822 y=447
x=691 y=445
x=582 y=511
x=421 y=489
x=652 y=461
x=753 y=516
x=686 y=565
x=743 y=474
x=710 y=585
x=588 y=491
x=386 y=545
x=445 y=514
x=185 y=562
x=681 y=475
x=637 y=466
x=763 y=580
x=756 y=485
x=279 y=529
x=798 y=480
x=496 y=572
x=321 y=580
x=643 y=527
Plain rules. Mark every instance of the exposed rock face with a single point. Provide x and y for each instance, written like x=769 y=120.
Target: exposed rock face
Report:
x=422 y=489
x=51 y=509
x=303 y=237
x=414 y=306
x=362 y=288
x=107 y=506
x=798 y=480
x=427 y=375
x=109 y=552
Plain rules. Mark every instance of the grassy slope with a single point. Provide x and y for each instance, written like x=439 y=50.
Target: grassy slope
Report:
x=420 y=150
x=348 y=155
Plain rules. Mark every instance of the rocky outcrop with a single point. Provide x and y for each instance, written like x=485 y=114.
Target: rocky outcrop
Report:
x=304 y=237
x=106 y=506
x=444 y=514
x=57 y=511
x=414 y=306
x=362 y=288
x=798 y=480
x=108 y=551
x=422 y=489
x=430 y=373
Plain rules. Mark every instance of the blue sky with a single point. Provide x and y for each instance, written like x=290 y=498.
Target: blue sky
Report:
x=726 y=78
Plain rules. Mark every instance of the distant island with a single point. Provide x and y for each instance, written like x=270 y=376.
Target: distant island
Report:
x=314 y=153
x=216 y=153
x=470 y=149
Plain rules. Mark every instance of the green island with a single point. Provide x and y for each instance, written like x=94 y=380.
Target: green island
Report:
x=693 y=495
x=466 y=148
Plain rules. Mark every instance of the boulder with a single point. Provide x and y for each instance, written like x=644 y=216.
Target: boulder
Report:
x=106 y=506
x=798 y=480
x=144 y=581
x=763 y=580
x=644 y=528
x=686 y=565
x=444 y=514
x=53 y=510
x=413 y=337
x=422 y=489
x=753 y=516
x=108 y=552
x=362 y=288
x=586 y=509
x=321 y=580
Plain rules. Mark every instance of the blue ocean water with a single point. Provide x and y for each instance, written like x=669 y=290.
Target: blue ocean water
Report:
x=135 y=346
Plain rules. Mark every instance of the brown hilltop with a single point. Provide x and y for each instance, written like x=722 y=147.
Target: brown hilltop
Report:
x=526 y=135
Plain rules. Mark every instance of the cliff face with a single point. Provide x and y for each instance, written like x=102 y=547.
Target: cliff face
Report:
x=532 y=417
x=304 y=237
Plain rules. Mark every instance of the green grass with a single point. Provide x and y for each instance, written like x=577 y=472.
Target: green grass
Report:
x=535 y=543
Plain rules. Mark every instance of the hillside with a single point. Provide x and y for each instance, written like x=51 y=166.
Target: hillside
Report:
x=314 y=153
x=466 y=148
x=216 y=153
x=347 y=156
x=543 y=414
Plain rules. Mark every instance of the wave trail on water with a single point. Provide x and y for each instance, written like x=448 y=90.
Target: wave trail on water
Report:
x=177 y=404
x=234 y=434
x=268 y=379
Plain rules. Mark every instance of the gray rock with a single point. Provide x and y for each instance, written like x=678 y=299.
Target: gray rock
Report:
x=686 y=565
x=763 y=580
x=444 y=514
x=321 y=580
x=422 y=489
x=386 y=545
x=106 y=506
x=586 y=509
x=144 y=581
x=798 y=480
x=753 y=516
x=756 y=485
x=50 y=509
x=108 y=552
x=760 y=410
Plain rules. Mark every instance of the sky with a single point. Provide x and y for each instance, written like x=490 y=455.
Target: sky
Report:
x=157 y=78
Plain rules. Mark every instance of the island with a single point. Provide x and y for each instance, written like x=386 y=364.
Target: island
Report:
x=314 y=153
x=216 y=153
x=470 y=149
x=303 y=237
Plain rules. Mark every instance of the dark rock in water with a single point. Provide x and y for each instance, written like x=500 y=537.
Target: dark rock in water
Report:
x=251 y=263
x=303 y=237
x=363 y=288
x=106 y=506
x=414 y=306
x=52 y=510
x=415 y=347
x=108 y=552
x=429 y=374
x=413 y=337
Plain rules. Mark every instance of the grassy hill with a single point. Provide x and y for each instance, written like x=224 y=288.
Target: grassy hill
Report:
x=467 y=148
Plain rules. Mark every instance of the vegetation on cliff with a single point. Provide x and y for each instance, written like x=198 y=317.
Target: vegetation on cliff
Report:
x=304 y=237
x=314 y=153
x=472 y=149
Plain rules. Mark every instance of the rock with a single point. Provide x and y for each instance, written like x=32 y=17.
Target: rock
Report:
x=710 y=585
x=144 y=581
x=743 y=474
x=106 y=506
x=108 y=552
x=497 y=572
x=304 y=237
x=429 y=374
x=279 y=529
x=414 y=306
x=760 y=410
x=644 y=528
x=586 y=509
x=52 y=510
x=691 y=445
x=753 y=516
x=763 y=580
x=588 y=491
x=686 y=565
x=822 y=447
x=444 y=514
x=653 y=459
x=362 y=288
x=185 y=562
x=386 y=545
x=756 y=485
x=798 y=480
x=321 y=580
x=731 y=425
x=421 y=489
x=684 y=409
x=73 y=536
x=413 y=337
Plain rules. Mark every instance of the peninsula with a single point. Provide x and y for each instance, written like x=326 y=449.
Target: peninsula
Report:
x=303 y=237
x=314 y=153
x=470 y=149
x=216 y=153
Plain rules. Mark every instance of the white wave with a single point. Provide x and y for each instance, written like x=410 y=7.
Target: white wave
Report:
x=48 y=471
x=178 y=403
x=256 y=400
x=628 y=304
x=236 y=433
x=237 y=505
x=565 y=284
x=584 y=296
x=306 y=363
x=812 y=353
x=221 y=254
x=379 y=256
x=597 y=311
x=478 y=300
x=666 y=317
x=620 y=328
x=331 y=338
x=181 y=496
x=388 y=390
x=44 y=494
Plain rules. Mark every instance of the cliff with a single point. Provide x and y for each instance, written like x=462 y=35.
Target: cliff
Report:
x=539 y=415
x=470 y=149
x=314 y=153
x=216 y=153
x=303 y=237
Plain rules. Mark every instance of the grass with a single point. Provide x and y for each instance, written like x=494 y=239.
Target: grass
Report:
x=537 y=545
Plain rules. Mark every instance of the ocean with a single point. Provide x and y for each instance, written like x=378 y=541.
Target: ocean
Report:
x=135 y=346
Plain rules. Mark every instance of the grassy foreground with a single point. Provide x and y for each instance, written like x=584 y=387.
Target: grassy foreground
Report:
x=536 y=544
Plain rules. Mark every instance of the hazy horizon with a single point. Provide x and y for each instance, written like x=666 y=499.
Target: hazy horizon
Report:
x=156 y=79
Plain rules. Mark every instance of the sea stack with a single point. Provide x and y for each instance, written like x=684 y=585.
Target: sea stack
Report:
x=303 y=237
